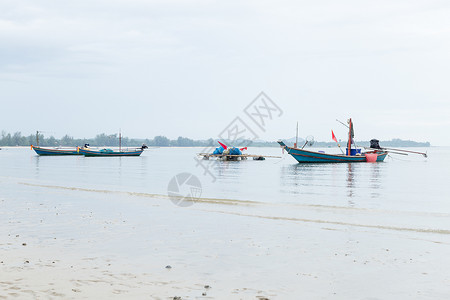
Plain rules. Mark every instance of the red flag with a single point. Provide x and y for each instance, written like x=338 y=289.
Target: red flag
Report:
x=333 y=136
x=242 y=149
x=224 y=146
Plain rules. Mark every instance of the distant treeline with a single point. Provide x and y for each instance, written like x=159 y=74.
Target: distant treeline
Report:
x=112 y=140
x=391 y=143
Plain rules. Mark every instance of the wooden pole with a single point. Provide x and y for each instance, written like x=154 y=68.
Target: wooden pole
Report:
x=349 y=143
x=424 y=154
x=339 y=145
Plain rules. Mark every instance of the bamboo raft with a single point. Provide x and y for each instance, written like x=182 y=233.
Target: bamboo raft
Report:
x=232 y=157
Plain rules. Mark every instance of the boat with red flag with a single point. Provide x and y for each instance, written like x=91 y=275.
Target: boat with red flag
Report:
x=352 y=153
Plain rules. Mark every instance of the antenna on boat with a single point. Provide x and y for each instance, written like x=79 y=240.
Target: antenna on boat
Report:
x=41 y=132
x=342 y=123
x=296 y=137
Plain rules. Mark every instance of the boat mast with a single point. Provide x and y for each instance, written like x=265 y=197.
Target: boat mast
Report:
x=296 y=137
x=37 y=137
x=349 y=144
x=120 y=140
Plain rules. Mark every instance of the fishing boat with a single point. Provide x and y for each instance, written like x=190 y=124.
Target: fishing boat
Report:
x=86 y=151
x=55 y=151
x=375 y=154
x=308 y=156
x=111 y=152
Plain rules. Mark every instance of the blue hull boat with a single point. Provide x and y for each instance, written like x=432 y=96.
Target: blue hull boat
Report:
x=54 y=151
x=376 y=154
x=86 y=151
x=109 y=152
x=307 y=156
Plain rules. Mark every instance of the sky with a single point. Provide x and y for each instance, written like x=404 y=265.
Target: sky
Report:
x=190 y=68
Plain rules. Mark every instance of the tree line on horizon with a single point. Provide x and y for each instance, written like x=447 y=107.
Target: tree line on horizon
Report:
x=112 y=140
x=109 y=140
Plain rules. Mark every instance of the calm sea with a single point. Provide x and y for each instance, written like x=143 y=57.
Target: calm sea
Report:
x=405 y=183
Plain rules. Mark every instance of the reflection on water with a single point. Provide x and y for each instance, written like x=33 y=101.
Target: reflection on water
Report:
x=36 y=165
x=350 y=179
x=333 y=181
x=72 y=170
x=230 y=169
x=296 y=177
x=375 y=179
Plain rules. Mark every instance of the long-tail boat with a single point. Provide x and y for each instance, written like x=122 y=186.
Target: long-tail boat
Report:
x=110 y=152
x=86 y=151
x=55 y=151
x=376 y=154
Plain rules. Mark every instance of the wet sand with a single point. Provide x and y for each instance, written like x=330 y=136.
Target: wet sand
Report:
x=69 y=242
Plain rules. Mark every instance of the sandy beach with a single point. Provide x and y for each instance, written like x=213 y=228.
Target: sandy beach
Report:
x=156 y=250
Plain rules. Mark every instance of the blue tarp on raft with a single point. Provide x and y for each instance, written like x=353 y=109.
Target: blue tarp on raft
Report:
x=235 y=151
x=218 y=150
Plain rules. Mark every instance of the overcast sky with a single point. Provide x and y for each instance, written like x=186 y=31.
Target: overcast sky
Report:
x=188 y=68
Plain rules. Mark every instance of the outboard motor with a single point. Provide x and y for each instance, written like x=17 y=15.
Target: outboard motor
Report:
x=144 y=146
x=86 y=145
x=375 y=144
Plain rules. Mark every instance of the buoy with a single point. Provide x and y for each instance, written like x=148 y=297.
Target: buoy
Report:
x=371 y=157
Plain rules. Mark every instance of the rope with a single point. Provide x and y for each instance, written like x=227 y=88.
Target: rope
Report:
x=283 y=157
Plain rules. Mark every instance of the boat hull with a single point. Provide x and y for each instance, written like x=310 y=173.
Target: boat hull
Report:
x=306 y=156
x=49 y=151
x=92 y=153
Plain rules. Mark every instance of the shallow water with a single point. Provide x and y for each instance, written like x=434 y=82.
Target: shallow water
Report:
x=272 y=228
